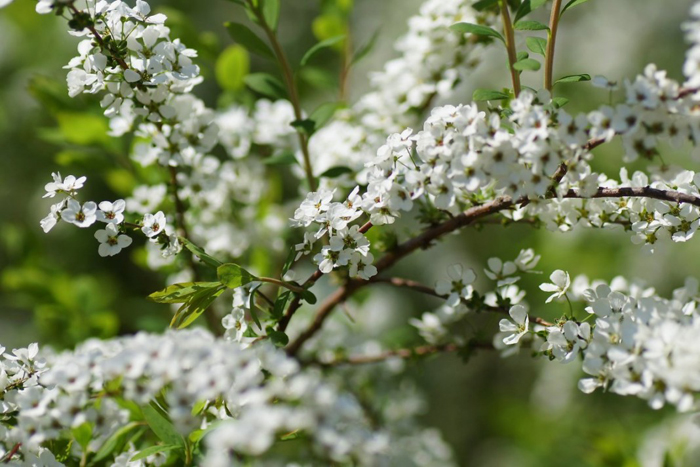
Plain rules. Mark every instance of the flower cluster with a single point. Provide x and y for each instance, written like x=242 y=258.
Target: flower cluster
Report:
x=433 y=59
x=209 y=386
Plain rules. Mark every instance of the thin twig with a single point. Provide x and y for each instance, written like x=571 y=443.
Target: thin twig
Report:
x=549 y=53
x=510 y=47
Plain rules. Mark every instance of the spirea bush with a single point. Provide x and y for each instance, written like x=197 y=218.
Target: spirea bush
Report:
x=266 y=385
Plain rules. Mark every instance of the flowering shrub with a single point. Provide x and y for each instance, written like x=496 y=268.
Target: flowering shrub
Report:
x=262 y=375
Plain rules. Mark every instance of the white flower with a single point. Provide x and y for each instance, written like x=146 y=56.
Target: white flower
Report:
x=48 y=222
x=111 y=241
x=235 y=324
x=111 y=212
x=69 y=185
x=153 y=224
x=499 y=271
x=458 y=287
x=361 y=266
x=560 y=284
x=600 y=81
x=518 y=327
x=82 y=216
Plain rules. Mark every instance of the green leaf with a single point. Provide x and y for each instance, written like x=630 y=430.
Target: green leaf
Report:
x=180 y=293
x=335 y=172
x=115 y=442
x=485 y=4
x=527 y=7
x=477 y=29
x=232 y=275
x=365 y=49
x=489 y=95
x=254 y=314
x=247 y=38
x=572 y=4
x=266 y=85
x=194 y=307
x=321 y=45
x=522 y=55
x=305 y=126
x=527 y=64
x=231 y=68
x=530 y=26
x=283 y=158
x=160 y=425
x=328 y=25
x=280 y=304
x=324 y=113
x=278 y=338
x=83 y=435
x=559 y=102
x=203 y=256
x=573 y=78
x=271 y=12
x=82 y=128
x=537 y=45
x=149 y=451
x=309 y=297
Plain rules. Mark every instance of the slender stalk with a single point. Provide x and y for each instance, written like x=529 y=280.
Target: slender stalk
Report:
x=549 y=55
x=286 y=285
x=291 y=89
x=510 y=47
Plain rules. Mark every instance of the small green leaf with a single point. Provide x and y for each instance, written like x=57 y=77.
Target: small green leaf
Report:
x=305 y=126
x=527 y=64
x=559 y=102
x=247 y=38
x=324 y=113
x=527 y=7
x=278 y=338
x=271 y=12
x=283 y=158
x=83 y=435
x=160 y=425
x=194 y=307
x=530 y=26
x=321 y=45
x=522 y=55
x=335 y=172
x=266 y=85
x=254 y=314
x=365 y=49
x=280 y=304
x=231 y=68
x=537 y=45
x=489 y=95
x=149 y=451
x=485 y=4
x=180 y=293
x=477 y=29
x=203 y=256
x=573 y=78
x=572 y=4
x=232 y=275
x=309 y=297
x=116 y=442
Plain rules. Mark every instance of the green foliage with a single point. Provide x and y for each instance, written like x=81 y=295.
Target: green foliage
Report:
x=232 y=66
x=572 y=4
x=527 y=64
x=248 y=39
x=266 y=84
x=530 y=26
x=537 y=45
x=232 y=275
x=477 y=30
x=481 y=95
x=527 y=7
x=331 y=41
x=573 y=79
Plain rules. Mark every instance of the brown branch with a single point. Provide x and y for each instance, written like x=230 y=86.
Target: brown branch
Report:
x=549 y=53
x=425 y=239
x=510 y=47
x=639 y=192
x=401 y=353
x=8 y=457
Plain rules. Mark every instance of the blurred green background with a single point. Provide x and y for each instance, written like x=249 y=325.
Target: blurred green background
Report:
x=514 y=412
